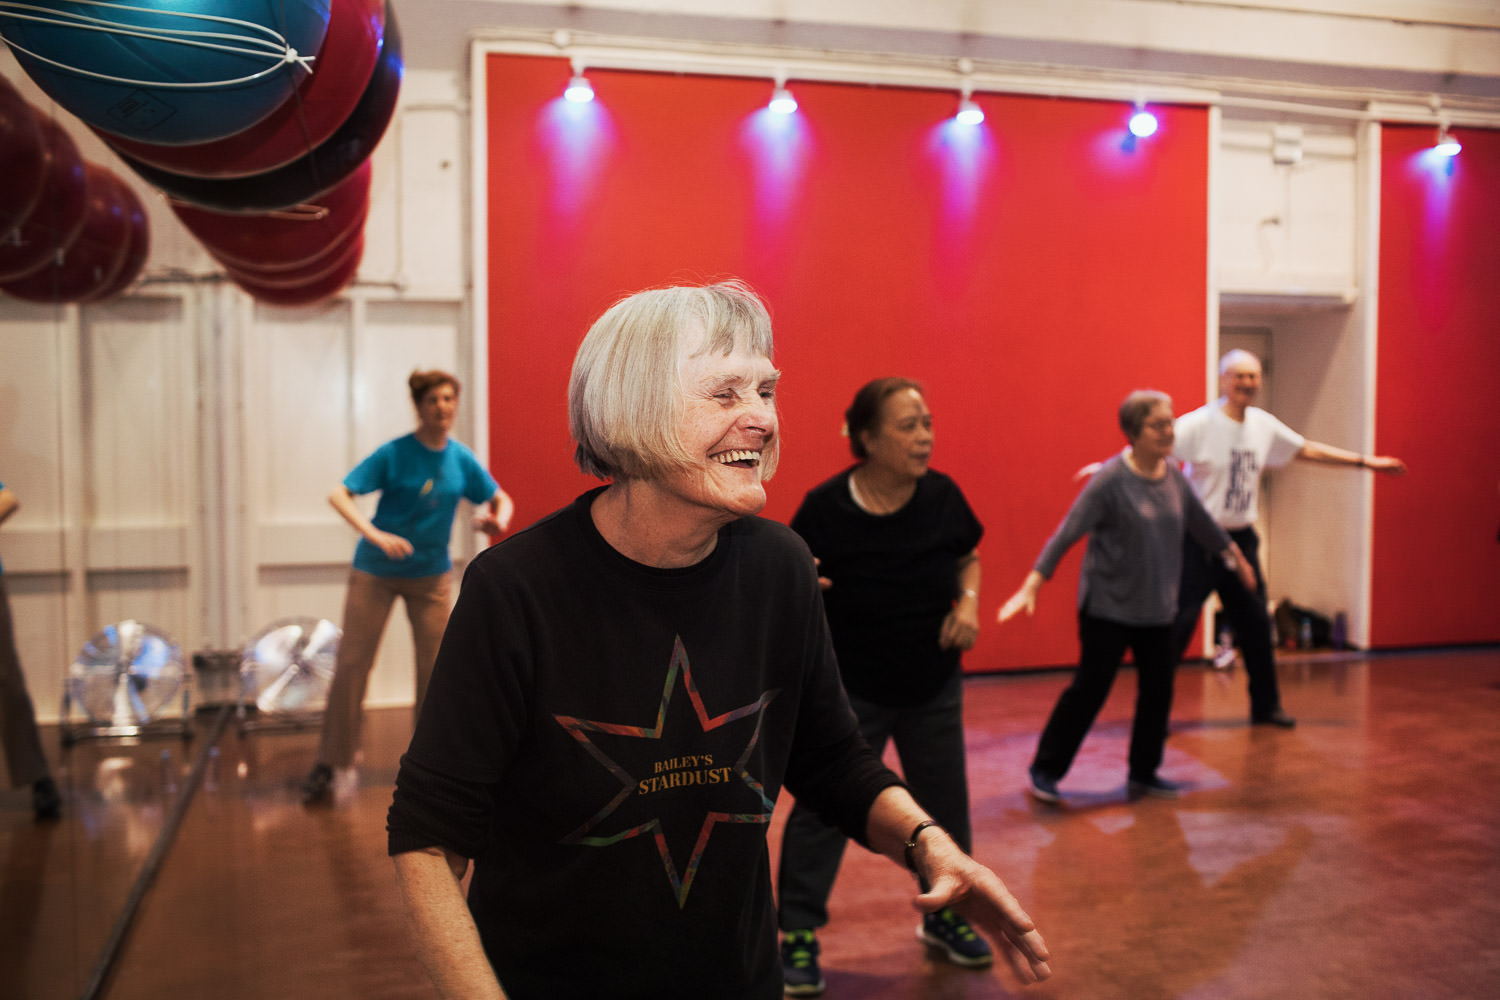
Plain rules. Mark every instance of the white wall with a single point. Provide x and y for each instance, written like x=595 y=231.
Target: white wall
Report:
x=173 y=448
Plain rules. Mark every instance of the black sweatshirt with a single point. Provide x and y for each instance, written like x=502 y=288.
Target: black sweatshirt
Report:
x=607 y=741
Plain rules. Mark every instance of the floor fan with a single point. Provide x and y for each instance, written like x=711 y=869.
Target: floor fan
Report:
x=125 y=682
x=285 y=671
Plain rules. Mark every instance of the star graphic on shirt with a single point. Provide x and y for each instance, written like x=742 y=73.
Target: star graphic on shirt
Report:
x=581 y=729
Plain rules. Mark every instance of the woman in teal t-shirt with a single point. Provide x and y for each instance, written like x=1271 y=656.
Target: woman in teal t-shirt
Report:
x=402 y=552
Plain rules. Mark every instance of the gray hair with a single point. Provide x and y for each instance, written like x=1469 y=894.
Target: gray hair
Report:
x=625 y=401
x=1137 y=407
x=1234 y=357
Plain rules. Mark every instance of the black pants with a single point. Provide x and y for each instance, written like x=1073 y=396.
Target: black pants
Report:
x=1202 y=573
x=1102 y=647
x=929 y=740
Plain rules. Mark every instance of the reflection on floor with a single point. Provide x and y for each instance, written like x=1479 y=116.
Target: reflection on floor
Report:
x=1354 y=856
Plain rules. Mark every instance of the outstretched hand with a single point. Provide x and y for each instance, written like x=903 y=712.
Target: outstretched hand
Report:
x=1021 y=600
x=976 y=892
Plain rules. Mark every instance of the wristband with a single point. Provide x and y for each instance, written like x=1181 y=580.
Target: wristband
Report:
x=911 y=842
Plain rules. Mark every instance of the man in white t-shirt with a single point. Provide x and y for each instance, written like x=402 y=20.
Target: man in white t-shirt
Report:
x=1224 y=446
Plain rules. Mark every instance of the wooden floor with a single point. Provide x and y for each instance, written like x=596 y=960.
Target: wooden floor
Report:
x=1355 y=856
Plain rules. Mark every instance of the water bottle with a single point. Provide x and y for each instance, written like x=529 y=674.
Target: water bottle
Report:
x=1304 y=633
x=1340 y=631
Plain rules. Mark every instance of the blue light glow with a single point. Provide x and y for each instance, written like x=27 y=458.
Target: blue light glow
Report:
x=579 y=141
x=1142 y=124
x=962 y=155
x=780 y=148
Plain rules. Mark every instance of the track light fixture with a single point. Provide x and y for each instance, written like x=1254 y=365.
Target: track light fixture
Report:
x=782 y=102
x=1142 y=122
x=1446 y=145
x=969 y=113
x=579 y=90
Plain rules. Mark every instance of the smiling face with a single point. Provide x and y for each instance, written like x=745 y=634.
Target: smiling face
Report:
x=437 y=410
x=1239 y=382
x=728 y=422
x=900 y=445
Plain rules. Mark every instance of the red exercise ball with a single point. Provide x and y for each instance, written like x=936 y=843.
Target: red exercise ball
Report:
x=326 y=263
x=282 y=240
x=341 y=71
x=59 y=213
x=308 y=294
x=23 y=163
x=137 y=246
x=90 y=261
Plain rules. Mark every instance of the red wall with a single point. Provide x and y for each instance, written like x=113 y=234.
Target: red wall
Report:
x=1436 y=560
x=1029 y=279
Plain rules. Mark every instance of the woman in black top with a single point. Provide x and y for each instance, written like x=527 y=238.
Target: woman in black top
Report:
x=624 y=687
x=896 y=543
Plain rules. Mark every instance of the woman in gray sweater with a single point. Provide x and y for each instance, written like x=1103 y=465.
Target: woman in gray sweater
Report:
x=1135 y=511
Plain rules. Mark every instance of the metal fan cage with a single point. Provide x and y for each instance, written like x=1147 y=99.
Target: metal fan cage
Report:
x=285 y=672
x=129 y=680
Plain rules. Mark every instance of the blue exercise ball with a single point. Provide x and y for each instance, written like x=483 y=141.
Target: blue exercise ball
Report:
x=307 y=177
x=173 y=72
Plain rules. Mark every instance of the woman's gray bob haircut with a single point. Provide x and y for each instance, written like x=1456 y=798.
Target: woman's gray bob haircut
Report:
x=625 y=400
x=1136 y=408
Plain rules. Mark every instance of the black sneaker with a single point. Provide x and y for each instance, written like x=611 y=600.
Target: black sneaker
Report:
x=1276 y=717
x=45 y=801
x=959 y=942
x=1154 y=786
x=318 y=785
x=1043 y=788
x=800 y=974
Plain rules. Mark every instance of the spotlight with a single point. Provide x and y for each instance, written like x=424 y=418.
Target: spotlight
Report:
x=579 y=91
x=969 y=113
x=1142 y=123
x=782 y=101
x=1446 y=145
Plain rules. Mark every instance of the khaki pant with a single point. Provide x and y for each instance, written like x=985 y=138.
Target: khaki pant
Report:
x=367 y=606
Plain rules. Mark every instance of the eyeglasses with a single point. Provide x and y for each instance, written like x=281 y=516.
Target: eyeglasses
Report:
x=1159 y=424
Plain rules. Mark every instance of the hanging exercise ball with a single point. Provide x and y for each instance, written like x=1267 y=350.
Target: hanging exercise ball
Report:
x=167 y=71
x=58 y=214
x=23 y=161
x=137 y=247
x=298 y=125
x=311 y=273
x=315 y=290
x=283 y=240
x=90 y=261
x=309 y=176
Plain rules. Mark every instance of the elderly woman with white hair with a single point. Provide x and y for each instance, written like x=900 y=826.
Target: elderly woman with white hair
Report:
x=625 y=686
x=1135 y=511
